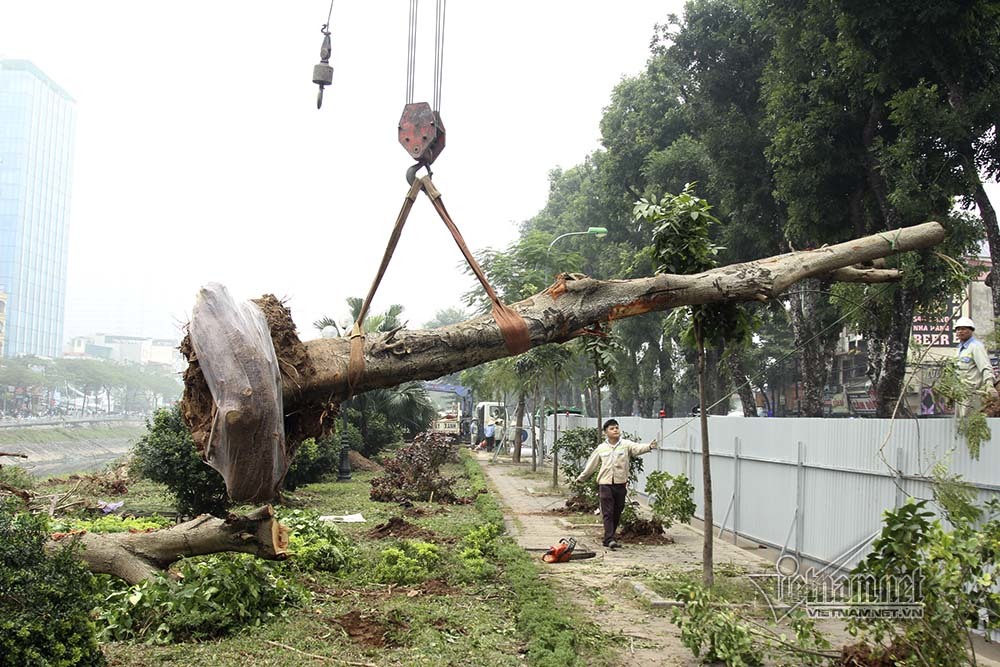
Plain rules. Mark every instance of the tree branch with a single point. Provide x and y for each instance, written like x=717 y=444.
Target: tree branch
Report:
x=561 y=312
x=138 y=556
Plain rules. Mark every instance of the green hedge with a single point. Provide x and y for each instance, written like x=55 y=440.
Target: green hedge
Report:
x=552 y=636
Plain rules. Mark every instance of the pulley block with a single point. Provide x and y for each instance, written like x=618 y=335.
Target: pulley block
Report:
x=421 y=132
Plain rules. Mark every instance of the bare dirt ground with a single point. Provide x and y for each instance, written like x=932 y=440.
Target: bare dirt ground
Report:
x=603 y=587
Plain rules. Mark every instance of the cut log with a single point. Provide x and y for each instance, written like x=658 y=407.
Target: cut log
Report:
x=314 y=374
x=135 y=557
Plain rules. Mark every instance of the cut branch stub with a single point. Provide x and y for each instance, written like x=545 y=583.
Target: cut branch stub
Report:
x=245 y=440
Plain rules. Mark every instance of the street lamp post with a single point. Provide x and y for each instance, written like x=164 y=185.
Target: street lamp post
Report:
x=344 y=469
x=599 y=232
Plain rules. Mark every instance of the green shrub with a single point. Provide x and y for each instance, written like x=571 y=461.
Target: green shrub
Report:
x=45 y=600
x=314 y=458
x=409 y=563
x=17 y=477
x=954 y=573
x=414 y=473
x=714 y=634
x=166 y=454
x=315 y=544
x=112 y=523
x=215 y=595
x=477 y=552
x=379 y=432
x=483 y=538
x=672 y=497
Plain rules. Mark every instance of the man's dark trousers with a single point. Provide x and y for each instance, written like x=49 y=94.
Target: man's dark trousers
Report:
x=612 y=505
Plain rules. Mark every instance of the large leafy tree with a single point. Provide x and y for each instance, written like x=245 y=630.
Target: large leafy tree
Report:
x=852 y=154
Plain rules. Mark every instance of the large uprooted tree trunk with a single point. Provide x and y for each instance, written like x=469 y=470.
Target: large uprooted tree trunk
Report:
x=246 y=425
x=138 y=556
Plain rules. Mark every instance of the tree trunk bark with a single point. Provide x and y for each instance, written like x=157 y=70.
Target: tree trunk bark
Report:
x=708 y=530
x=536 y=429
x=555 y=432
x=597 y=393
x=895 y=345
x=967 y=153
x=815 y=335
x=741 y=383
x=314 y=377
x=515 y=452
x=135 y=557
x=665 y=363
x=988 y=215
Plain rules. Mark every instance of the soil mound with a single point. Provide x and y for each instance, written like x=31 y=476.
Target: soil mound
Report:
x=645 y=531
x=437 y=587
x=359 y=462
x=367 y=630
x=399 y=527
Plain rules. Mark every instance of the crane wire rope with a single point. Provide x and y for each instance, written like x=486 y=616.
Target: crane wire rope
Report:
x=439 y=16
x=440 y=10
x=411 y=51
x=329 y=14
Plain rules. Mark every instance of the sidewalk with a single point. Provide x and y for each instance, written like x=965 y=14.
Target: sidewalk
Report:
x=603 y=588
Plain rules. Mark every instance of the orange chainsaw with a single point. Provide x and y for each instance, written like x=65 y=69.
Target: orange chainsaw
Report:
x=565 y=551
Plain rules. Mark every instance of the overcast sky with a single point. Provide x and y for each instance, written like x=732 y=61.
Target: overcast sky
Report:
x=200 y=155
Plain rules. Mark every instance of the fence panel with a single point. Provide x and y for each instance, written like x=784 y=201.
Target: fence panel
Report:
x=816 y=487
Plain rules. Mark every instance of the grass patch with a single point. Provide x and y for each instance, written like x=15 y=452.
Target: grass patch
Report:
x=732 y=583
x=143 y=498
x=501 y=614
x=554 y=636
x=541 y=475
x=44 y=434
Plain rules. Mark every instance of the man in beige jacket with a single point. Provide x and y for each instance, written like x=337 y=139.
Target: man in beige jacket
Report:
x=613 y=456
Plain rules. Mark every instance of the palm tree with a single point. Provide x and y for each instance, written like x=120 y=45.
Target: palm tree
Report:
x=407 y=405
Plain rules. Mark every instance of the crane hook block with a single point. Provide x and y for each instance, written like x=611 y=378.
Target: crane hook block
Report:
x=421 y=132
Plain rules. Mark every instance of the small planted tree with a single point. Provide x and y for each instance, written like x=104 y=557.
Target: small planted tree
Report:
x=682 y=244
x=671 y=498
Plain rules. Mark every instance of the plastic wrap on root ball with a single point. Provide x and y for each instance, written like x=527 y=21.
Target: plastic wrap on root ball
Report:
x=234 y=349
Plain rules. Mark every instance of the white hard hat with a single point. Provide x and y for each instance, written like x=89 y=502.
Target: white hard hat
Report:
x=964 y=322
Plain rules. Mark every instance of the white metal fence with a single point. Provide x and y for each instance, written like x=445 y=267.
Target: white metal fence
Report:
x=815 y=488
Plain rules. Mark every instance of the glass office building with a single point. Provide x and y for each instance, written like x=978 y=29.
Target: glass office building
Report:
x=36 y=160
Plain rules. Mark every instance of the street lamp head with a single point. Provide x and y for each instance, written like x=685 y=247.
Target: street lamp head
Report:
x=599 y=232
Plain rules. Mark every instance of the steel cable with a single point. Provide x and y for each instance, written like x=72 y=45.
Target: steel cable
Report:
x=441 y=8
x=411 y=52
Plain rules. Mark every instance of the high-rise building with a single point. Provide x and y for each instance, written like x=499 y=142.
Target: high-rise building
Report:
x=36 y=159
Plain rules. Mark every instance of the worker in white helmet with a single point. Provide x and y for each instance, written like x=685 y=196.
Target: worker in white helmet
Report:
x=974 y=368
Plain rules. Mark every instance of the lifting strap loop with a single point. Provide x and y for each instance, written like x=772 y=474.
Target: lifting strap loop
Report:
x=513 y=327
x=356 y=363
